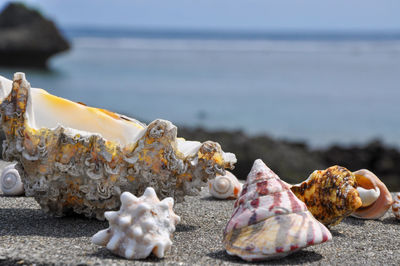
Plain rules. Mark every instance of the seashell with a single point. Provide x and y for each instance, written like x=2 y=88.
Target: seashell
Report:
x=81 y=158
x=142 y=226
x=11 y=183
x=330 y=195
x=396 y=206
x=375 y=196
x=269 y=221
x=225 y=186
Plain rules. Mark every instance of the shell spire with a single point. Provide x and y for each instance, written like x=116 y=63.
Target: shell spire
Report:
x=269 y=221
x=10 y=180
x=225 y=186
x=142 y=226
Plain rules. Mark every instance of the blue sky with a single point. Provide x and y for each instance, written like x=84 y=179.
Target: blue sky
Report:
x=256 y=15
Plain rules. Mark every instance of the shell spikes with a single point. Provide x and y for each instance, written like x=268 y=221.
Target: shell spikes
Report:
x=11 y=183
x=225 y=186
x=375 y=196
x=142 y=226
x=269 y=221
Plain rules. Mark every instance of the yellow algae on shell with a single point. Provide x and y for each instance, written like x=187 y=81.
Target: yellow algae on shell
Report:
x=78 y=158
x=330 y=195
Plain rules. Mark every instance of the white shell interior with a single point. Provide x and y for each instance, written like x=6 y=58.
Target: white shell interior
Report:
x=45 y=110
x=368 y=196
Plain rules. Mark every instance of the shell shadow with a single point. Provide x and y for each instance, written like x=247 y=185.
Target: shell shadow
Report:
x=27 y=222
x=300 y=257
x=336 y=233
x=390 y=220
x=186 y=228
x=211 y=198
x=354 y=221
x=103 y=253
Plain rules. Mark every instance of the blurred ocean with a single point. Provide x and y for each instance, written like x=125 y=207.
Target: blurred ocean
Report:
x=320 y=88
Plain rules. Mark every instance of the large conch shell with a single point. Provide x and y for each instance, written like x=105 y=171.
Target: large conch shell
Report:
x=330 y=195
x=80 y=158
x=269 y=221
x=142 y=226
x=396 y=206
x=10 y=181
x=225 y=186
x=375 y=196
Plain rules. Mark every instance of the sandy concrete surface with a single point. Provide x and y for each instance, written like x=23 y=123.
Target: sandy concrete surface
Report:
x=29 y=236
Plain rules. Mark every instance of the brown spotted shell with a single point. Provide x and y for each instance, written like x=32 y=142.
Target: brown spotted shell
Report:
x=330 y=195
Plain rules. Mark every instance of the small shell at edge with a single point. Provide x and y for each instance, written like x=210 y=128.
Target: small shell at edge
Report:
x=11 y=183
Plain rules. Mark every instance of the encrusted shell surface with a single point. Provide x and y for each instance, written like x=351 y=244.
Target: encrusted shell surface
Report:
x=396 y=206
x=142 y=226
x=375 y=196
x=269 y=221
x=10 y=180
x=330 y=195
x=225 y=186
x=74 y=157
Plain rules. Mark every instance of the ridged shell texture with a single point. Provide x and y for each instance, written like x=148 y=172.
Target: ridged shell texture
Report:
x=269 y=221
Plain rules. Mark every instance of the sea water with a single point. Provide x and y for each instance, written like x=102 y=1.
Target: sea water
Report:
x=318 y=90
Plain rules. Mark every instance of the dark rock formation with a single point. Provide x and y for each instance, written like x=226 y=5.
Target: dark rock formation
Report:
x=27 y=38
x=384 y=161
x=295 y=161
x=292 y=161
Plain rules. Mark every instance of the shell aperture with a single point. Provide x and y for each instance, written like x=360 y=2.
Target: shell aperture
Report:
x=374 y=194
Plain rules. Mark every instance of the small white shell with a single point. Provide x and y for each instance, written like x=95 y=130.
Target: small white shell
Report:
x=225 y=186
x=11 y=183
x=396 y=206
x=142 y=225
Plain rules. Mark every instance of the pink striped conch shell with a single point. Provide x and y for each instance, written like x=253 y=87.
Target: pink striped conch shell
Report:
x=142 y=226
x=269 y=221
x=396 y=206
x=225 y=186
x=375 y=196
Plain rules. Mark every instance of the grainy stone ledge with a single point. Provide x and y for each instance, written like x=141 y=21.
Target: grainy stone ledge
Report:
x=29 y=236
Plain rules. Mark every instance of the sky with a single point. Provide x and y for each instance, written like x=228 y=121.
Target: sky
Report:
x=255 y=15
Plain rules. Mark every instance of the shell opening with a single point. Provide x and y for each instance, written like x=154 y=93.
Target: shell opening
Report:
x=368 y=196
x=44 y=110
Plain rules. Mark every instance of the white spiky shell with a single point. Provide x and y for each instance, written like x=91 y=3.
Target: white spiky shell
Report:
x=11 y=183
x=142 y=225
x=396 y=206
x=225 y=186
